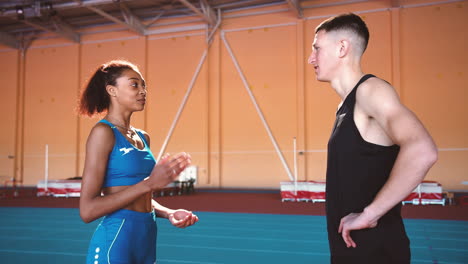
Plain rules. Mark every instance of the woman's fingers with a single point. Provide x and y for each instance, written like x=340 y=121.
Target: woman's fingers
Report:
x=168 y=169
x=178 y=163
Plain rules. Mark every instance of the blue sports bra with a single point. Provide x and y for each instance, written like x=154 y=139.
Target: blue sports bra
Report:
x=127 y=165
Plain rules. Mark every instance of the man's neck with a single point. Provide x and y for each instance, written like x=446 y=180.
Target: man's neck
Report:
x=346 y=80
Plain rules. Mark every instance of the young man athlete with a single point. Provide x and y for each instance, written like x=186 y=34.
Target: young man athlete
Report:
x=378 y=151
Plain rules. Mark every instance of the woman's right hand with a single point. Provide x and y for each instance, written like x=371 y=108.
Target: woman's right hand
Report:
x=167 y=170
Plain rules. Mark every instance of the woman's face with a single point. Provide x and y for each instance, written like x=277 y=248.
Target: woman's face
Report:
x=129 y=91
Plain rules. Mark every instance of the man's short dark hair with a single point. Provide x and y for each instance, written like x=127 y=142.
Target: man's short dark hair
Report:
x=348 y=22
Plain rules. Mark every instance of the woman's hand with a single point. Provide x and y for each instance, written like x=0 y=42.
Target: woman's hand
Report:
x=182 y=218
x=167 y=170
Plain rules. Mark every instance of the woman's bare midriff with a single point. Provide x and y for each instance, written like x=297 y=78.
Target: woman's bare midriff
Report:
x=141 y=204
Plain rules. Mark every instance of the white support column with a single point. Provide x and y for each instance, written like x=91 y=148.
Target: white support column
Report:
x=46 y=170
x=295 y=165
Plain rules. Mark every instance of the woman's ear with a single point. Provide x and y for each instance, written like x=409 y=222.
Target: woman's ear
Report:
x=111 y=90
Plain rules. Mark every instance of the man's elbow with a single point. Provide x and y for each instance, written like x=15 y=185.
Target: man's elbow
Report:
x=434 y=157
x=431 y=155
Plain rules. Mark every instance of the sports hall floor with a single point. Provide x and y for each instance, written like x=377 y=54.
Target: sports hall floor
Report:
x=235 y=227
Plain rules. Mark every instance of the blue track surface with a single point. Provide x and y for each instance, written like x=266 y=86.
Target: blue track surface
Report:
x=52 y=235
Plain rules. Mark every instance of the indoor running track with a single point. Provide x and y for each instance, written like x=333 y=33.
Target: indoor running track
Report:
x=56 y=235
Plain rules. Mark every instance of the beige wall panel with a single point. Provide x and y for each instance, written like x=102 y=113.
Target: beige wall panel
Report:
x=111 y=36
x=450 y=170
x=377 y=58
x=52 y=41
x=119 y=32
x=252 y=170
x=9 y=77
x=50 y=85
x=316 y=165
x=434 y=79
x=172 y=63
x=92 y=56
x=267 y=58
x=434 y=71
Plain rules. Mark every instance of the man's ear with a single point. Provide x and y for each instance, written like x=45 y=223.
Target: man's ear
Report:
x=111 y=90
x=344 y=47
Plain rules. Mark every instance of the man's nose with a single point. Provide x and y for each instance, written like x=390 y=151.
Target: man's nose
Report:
x=310 y=59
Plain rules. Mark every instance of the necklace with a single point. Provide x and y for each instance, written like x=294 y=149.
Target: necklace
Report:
x=128 y=130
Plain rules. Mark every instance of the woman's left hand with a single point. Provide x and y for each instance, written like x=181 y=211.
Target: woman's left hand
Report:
x=182 y=218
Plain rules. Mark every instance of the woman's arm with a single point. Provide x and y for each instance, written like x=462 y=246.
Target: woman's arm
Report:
x=92 y=204
x=180 y=218
x=98 y=147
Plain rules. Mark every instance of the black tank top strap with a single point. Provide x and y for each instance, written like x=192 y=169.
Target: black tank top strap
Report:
x=350 y=100
x=363 y=79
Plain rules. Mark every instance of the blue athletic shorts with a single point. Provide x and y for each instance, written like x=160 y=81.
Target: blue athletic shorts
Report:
x=124 y=237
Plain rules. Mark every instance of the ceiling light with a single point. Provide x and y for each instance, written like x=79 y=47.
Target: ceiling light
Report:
x=20 y=12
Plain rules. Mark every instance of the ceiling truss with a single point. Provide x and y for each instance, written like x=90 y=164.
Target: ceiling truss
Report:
x=60 y=17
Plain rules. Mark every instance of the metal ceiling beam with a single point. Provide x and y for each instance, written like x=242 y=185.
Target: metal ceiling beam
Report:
x=206 y=13
x=65 y=30
x=132 y=20
x=9 y=40
x=396 y=3
x=62 y=6
x=62 y=29
x=132 y=25
x=154 y=19
x=36 y=25
x=213 y=29
x=296 y=7
x=209 y=12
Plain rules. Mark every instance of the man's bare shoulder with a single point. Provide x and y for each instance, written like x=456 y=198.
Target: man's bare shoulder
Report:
x=376 y=90
x=375 y=85
x=377 y=97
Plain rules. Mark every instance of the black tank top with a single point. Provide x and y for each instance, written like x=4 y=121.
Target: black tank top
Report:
x=356 y=171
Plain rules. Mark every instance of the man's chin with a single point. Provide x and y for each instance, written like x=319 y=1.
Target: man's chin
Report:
x=320 y=79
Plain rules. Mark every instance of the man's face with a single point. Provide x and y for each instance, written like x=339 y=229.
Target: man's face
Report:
x=324 y=56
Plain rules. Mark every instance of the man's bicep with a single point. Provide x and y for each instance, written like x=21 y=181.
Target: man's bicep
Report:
x=381 y=102
x=403 y=126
